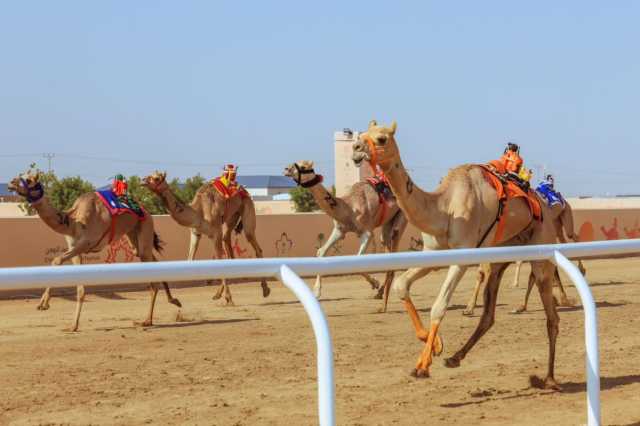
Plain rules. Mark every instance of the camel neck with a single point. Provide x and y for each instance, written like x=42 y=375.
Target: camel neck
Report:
x=334 y=207
x=182 y=213
x=56 y=220
x=423 y=209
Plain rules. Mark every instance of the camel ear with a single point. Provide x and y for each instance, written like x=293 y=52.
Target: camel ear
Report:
x=393 y=127
x=372 y=123
x=164 y=174
x=37 y=176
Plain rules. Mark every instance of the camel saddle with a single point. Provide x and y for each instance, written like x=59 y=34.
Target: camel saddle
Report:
x=385 y=195
x=121 y=205
x=229 y=191
x=507 y=188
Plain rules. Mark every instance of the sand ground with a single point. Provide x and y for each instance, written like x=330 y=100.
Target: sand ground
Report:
x=254 y=364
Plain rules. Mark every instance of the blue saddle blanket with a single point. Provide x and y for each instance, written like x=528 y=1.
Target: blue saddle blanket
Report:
x=549 y=195
x=119 y=205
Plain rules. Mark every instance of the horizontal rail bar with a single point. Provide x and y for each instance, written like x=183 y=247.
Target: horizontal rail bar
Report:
x=101 y=274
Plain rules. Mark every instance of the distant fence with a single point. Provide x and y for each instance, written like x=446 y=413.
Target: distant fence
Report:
x=289 y=269
x=28 y=241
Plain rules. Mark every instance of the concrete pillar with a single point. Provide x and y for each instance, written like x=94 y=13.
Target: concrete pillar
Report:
x=346 y=172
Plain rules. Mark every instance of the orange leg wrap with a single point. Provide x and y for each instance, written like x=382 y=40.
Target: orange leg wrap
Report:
x=432 y=347
x=421 y=332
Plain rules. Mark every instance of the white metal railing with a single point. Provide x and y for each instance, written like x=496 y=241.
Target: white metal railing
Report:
x=288 y=270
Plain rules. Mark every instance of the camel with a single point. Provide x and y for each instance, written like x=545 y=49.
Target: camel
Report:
x=206 y=215
x=87 y=228
x=562 y=217
x=461 y=213
x=360 y=212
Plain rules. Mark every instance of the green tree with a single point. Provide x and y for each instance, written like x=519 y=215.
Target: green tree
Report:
x=190 y=187
x=303 y=200
x=149 y=201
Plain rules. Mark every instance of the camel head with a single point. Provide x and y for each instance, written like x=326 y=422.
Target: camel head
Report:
x=302 y=173
x=156 y=182
x=377 y=145
x=27 y=185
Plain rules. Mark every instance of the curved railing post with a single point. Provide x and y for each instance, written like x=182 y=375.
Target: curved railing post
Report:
x=591 y=336
x=326 y=385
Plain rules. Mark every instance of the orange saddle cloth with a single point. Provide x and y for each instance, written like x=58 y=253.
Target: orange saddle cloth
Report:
x=229 y=191
x=508 y=190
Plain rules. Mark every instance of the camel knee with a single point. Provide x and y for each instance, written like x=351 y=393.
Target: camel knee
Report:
x=400 y=287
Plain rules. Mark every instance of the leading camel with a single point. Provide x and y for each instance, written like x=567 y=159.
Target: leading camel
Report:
x=361 y=211
x=87 y=228
x=209 y=213
x=460 y=213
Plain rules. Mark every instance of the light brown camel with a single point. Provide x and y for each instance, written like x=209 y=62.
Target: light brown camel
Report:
x=87 y=228
x=360 y=212
x=460 y=213
x=562 y=217
x=210 y=214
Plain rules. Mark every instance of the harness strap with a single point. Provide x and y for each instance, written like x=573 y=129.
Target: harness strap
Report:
x=501 y=208
x=383 y=210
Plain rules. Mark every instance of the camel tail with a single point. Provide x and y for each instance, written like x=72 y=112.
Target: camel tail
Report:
x=239 y=226
x=567 y=222
x=158 y=244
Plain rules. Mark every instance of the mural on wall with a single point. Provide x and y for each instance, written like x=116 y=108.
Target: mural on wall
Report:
x=633 y=232
x=416 y=244
x=119 y=251
x=284 y=245
x=611 y=233
x=51 y=253
x=238 y=250
x=586 y=232
x=336 y=250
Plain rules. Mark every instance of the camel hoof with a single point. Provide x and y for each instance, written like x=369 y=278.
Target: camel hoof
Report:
x=518 y=310
x=216 y=296
x=452 y=362
x=266 y=291
x=377 y=296
x=43 y=307
x=176 y=302
x=145 y=323
x=548 y=383
x=467 y=312
x=70 y=329
x=420 y=373
x=375 y=286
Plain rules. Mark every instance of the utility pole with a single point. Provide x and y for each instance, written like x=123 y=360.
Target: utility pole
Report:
x=49 y=156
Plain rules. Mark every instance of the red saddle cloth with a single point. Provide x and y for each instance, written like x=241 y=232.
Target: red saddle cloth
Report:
x=508 y=190
x=381 y=186
x=229 y=191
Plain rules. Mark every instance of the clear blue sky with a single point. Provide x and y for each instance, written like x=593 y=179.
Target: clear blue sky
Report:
x=187 y=86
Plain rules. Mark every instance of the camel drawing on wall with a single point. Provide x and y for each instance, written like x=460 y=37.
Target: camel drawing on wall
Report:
x=611 y=233
x=119 y=247
x=633 y=232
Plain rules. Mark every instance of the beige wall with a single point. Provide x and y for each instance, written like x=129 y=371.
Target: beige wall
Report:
x=26 y=241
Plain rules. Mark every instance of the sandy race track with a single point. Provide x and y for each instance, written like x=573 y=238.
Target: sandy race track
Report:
x=255 y=364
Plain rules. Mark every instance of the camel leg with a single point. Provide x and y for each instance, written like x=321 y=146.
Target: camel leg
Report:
x=365 y=240
x=336 y=235
x=564 y=299
x=77 y=260
x=149 y=321
x=251 y=238
x=194 y=242
x=391 y=234
x=523 y=308
x=170 y=298
x=516 y=276
x=433 y=345
x=488 y=314
x=545 y=288
x=79 y=301
x=224 y=288
x=474 y=297
x=43 y=305
x=79 y=247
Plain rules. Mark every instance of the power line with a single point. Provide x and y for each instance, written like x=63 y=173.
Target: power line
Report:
x=49 y=156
